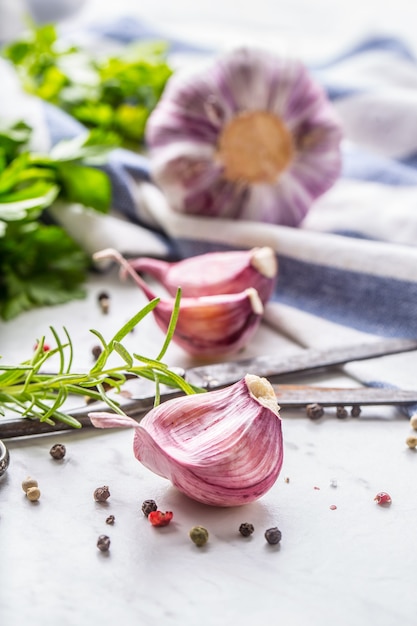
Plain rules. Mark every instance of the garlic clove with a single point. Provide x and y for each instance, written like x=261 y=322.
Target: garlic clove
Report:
x=215 y=273
x=213 y=325
x=222 y=448
x=206 y=326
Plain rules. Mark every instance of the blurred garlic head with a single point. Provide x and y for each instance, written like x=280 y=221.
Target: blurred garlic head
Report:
x=252 y=137
x=208 y=325
x=222 y=447
x=215 y=272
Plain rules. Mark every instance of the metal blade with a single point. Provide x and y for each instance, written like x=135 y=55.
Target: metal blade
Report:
x=288 y=397
x=293 y=396
x=273 y=366
x=222 y=374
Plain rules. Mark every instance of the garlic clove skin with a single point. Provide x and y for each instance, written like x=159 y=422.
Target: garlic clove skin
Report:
x=206 y=326
x=222 y=448
x=215 y=273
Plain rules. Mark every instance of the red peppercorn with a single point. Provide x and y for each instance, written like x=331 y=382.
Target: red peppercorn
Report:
x=158 y=518
x=383 y=498
x=45 y=347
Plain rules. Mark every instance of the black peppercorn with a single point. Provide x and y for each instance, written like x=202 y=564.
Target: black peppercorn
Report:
x=341 y=412
x=273 y=535
x=314 y=411
x=355 y=410
x=246 y=529
x=110 y=519
x=148 y=506
x=103 y=543
x=104 y=301
x=101 y=494
x=57 y=451
x=96 y=351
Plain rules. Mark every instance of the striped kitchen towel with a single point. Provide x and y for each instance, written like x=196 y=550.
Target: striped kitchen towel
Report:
x=350 y=270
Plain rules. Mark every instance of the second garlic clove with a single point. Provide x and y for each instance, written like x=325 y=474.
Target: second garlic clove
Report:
x=215 y=273
x=206 y=326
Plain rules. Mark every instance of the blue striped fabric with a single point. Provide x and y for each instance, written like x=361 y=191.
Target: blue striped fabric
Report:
x=353 y=261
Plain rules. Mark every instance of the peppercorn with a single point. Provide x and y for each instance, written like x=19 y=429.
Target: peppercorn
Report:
x=33 y=494
x=28 y=483
x=158 y=518
x=383 y=498
x=341 y=412
x=103 y=543
x=246 y=529
x=148 y=506
x=104 y=301
x=314 y=411
x=273 y=535
x=101 y=494
x=411 y=441
x=110 y=519
x=58 y=451
x=413 y=421
x=199 y=535
x=96 y=351
x=355 y=410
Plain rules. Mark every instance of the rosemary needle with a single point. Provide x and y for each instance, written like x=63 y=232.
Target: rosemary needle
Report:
x=30 y=393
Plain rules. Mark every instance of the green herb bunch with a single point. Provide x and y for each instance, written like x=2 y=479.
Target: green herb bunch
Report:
x=27 y=391
x=114 y=93
x=40 y=264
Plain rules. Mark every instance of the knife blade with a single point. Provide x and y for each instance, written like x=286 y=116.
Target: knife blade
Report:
x=272 y=367
x=288 y=397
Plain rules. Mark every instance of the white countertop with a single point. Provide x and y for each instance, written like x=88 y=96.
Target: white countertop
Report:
x=351 y=565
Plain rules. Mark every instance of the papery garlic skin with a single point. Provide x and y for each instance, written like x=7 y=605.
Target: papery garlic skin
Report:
x=215 y=273
x=251 y=137
x=222 y=448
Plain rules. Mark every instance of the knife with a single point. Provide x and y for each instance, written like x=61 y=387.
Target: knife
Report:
x=273 y=367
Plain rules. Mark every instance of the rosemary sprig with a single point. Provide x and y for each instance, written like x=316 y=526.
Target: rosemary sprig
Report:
x=26 y=391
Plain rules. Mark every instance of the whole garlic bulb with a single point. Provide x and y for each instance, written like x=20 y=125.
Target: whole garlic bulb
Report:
x=222 y=448
x=252 y=137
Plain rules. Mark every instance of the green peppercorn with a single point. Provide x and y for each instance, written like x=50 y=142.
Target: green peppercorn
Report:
x=199 y=535
x=103 y=543
x=273 y=535
x=246 y=529
x=148 y=506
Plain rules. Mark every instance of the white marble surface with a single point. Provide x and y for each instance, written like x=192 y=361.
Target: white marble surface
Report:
x=352 y=566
